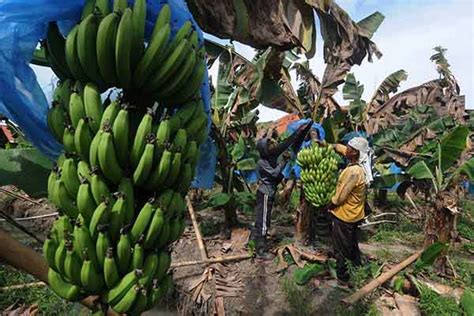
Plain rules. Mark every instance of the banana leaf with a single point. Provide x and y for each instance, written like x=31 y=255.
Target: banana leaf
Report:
x=429 y=255
x=247 y=164
x=219 y=200
x=389 y=85
x=224 y=88
x=468 y=169
x=303 y=275
x=420 y=171
x=27 y=169
x=238 y=150
x=467 y=301
x=452 y=146
x=370 y=24
x=352 y=89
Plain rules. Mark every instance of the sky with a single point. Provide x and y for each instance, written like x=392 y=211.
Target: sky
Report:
x=406 y=38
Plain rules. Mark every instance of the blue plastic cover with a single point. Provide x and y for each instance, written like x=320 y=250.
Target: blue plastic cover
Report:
x=292 y=169
x=22 y=24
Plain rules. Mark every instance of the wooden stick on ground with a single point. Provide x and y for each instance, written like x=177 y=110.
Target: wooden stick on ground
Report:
x=211 y=260
x=29 y=261
x=375 y=283
x=22 y=286
x=201 y=246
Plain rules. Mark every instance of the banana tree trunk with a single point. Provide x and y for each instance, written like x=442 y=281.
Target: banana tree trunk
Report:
x=303 y=219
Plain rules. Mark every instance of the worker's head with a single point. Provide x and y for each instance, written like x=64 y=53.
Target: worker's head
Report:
x=357 y=147
x=314 y=134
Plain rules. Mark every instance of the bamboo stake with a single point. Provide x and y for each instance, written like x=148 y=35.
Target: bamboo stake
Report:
x=211 y=260
x=22 y=286
x=26 y=259
x=20 y=219
x=201 y=246
x=375 y=283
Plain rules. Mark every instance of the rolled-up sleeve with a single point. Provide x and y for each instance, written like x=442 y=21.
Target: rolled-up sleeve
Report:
x=345 y=184
x=340 y=149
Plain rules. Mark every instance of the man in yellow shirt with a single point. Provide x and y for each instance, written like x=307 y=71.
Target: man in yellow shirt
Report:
x=347 y=204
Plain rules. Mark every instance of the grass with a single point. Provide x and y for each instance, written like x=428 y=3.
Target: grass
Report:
x=431 y=303
x=299 y=298
x=48 y=302
x=404 y=231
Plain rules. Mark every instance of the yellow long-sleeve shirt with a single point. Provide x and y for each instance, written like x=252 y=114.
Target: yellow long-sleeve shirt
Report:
x=350 y=193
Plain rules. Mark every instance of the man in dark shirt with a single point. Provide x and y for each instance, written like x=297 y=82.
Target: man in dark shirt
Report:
x=270 y=175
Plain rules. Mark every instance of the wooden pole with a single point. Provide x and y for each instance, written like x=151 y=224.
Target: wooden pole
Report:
x=375 y=283
x=22 y=286
x=31 y=262
x=211 y=260
x=200 y=242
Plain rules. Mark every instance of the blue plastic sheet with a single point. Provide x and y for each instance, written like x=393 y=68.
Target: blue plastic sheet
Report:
x=292 y=169
x=22 y=24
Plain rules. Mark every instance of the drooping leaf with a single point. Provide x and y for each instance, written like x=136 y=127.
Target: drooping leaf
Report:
x=388 y=86
x=468 y=169
x=310 y=270
x=247 y=164
x=369 y=25
x=239 y=149
x=352 y=89
x=224 y=88
x=25 y=168
x=39 y=57
x=420 y=171
x=452 y=146
x=430 y=254
x=219 y=200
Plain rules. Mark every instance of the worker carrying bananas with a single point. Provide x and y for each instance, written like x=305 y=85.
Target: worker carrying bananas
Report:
x=347 y=206
x=270 y=168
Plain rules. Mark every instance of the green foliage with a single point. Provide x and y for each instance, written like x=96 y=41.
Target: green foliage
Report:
x=431 y=303
x=429 y=255
x=219 y=200
x=48 y=302
x=25 y=168
x=467 y=301
x=303 y=275
x=452 y=145
x=361 y=274
x=247 y=164
x=299 y=298
x=398 y=284
x=245 y=201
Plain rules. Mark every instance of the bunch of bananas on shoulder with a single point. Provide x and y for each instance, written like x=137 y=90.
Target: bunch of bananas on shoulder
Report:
x=128 y=161
x=318 y=173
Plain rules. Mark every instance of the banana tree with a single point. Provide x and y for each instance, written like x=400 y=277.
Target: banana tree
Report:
x=439 y=180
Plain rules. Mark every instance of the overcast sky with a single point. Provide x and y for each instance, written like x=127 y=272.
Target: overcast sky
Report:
x=406 y=38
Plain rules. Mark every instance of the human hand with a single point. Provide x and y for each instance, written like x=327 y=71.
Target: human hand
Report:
x=286 y=155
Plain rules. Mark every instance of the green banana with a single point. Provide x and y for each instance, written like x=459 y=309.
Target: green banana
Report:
x=138 y=254
x=55 y=43
x=103 y=7
x=177 y=206
x=165 y=198
x=72 y=58
x=107 y=159
x=164 y=263
x=111 y=274
x=56 y=120
x=88 y=8
x=83 y=137
x=83 y=244
x=53 y=176
x=93 y=150
x=174 y=169
x=121 y=132
x=76 y=109
x=143 y=220
x=195 y=125
x=124 y=251
x=170 y=65
x=85 y=201
x=186 y=112
x=99 y=188
x=100 y=216
x=144 y=129
x=86 y=48
x=191 y=153
x=68 y=139
x=163 y=133
x=179 y=141
x=158 y=176
x=126 y=303
x=106 y=41
x=138 y=23
x=140 y=303
x=83 y=170
x=72 y=265
x=155 y=229
x=49 y=251
x=126 y=187
x=185 y=178
x=91 y=279
x=110 y=113
x=142 y=171
x=163 y=19
x=202 y=134
x=149 y=269
x=69 y=177
x=163 y=237
x=174 y=84
x=175 y=228
x=192 y=85
x=60 y=256
x=120 y=5
x=62 y=288
x=123 y=49
x=93 y=106
x=102 y=244
x=153 y=55
x=113 y=296
x=65 y=201
x=61 y=227
x=117 y=216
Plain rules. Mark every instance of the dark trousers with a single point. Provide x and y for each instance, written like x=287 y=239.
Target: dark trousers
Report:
x=263 y=212
x=346 y=246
